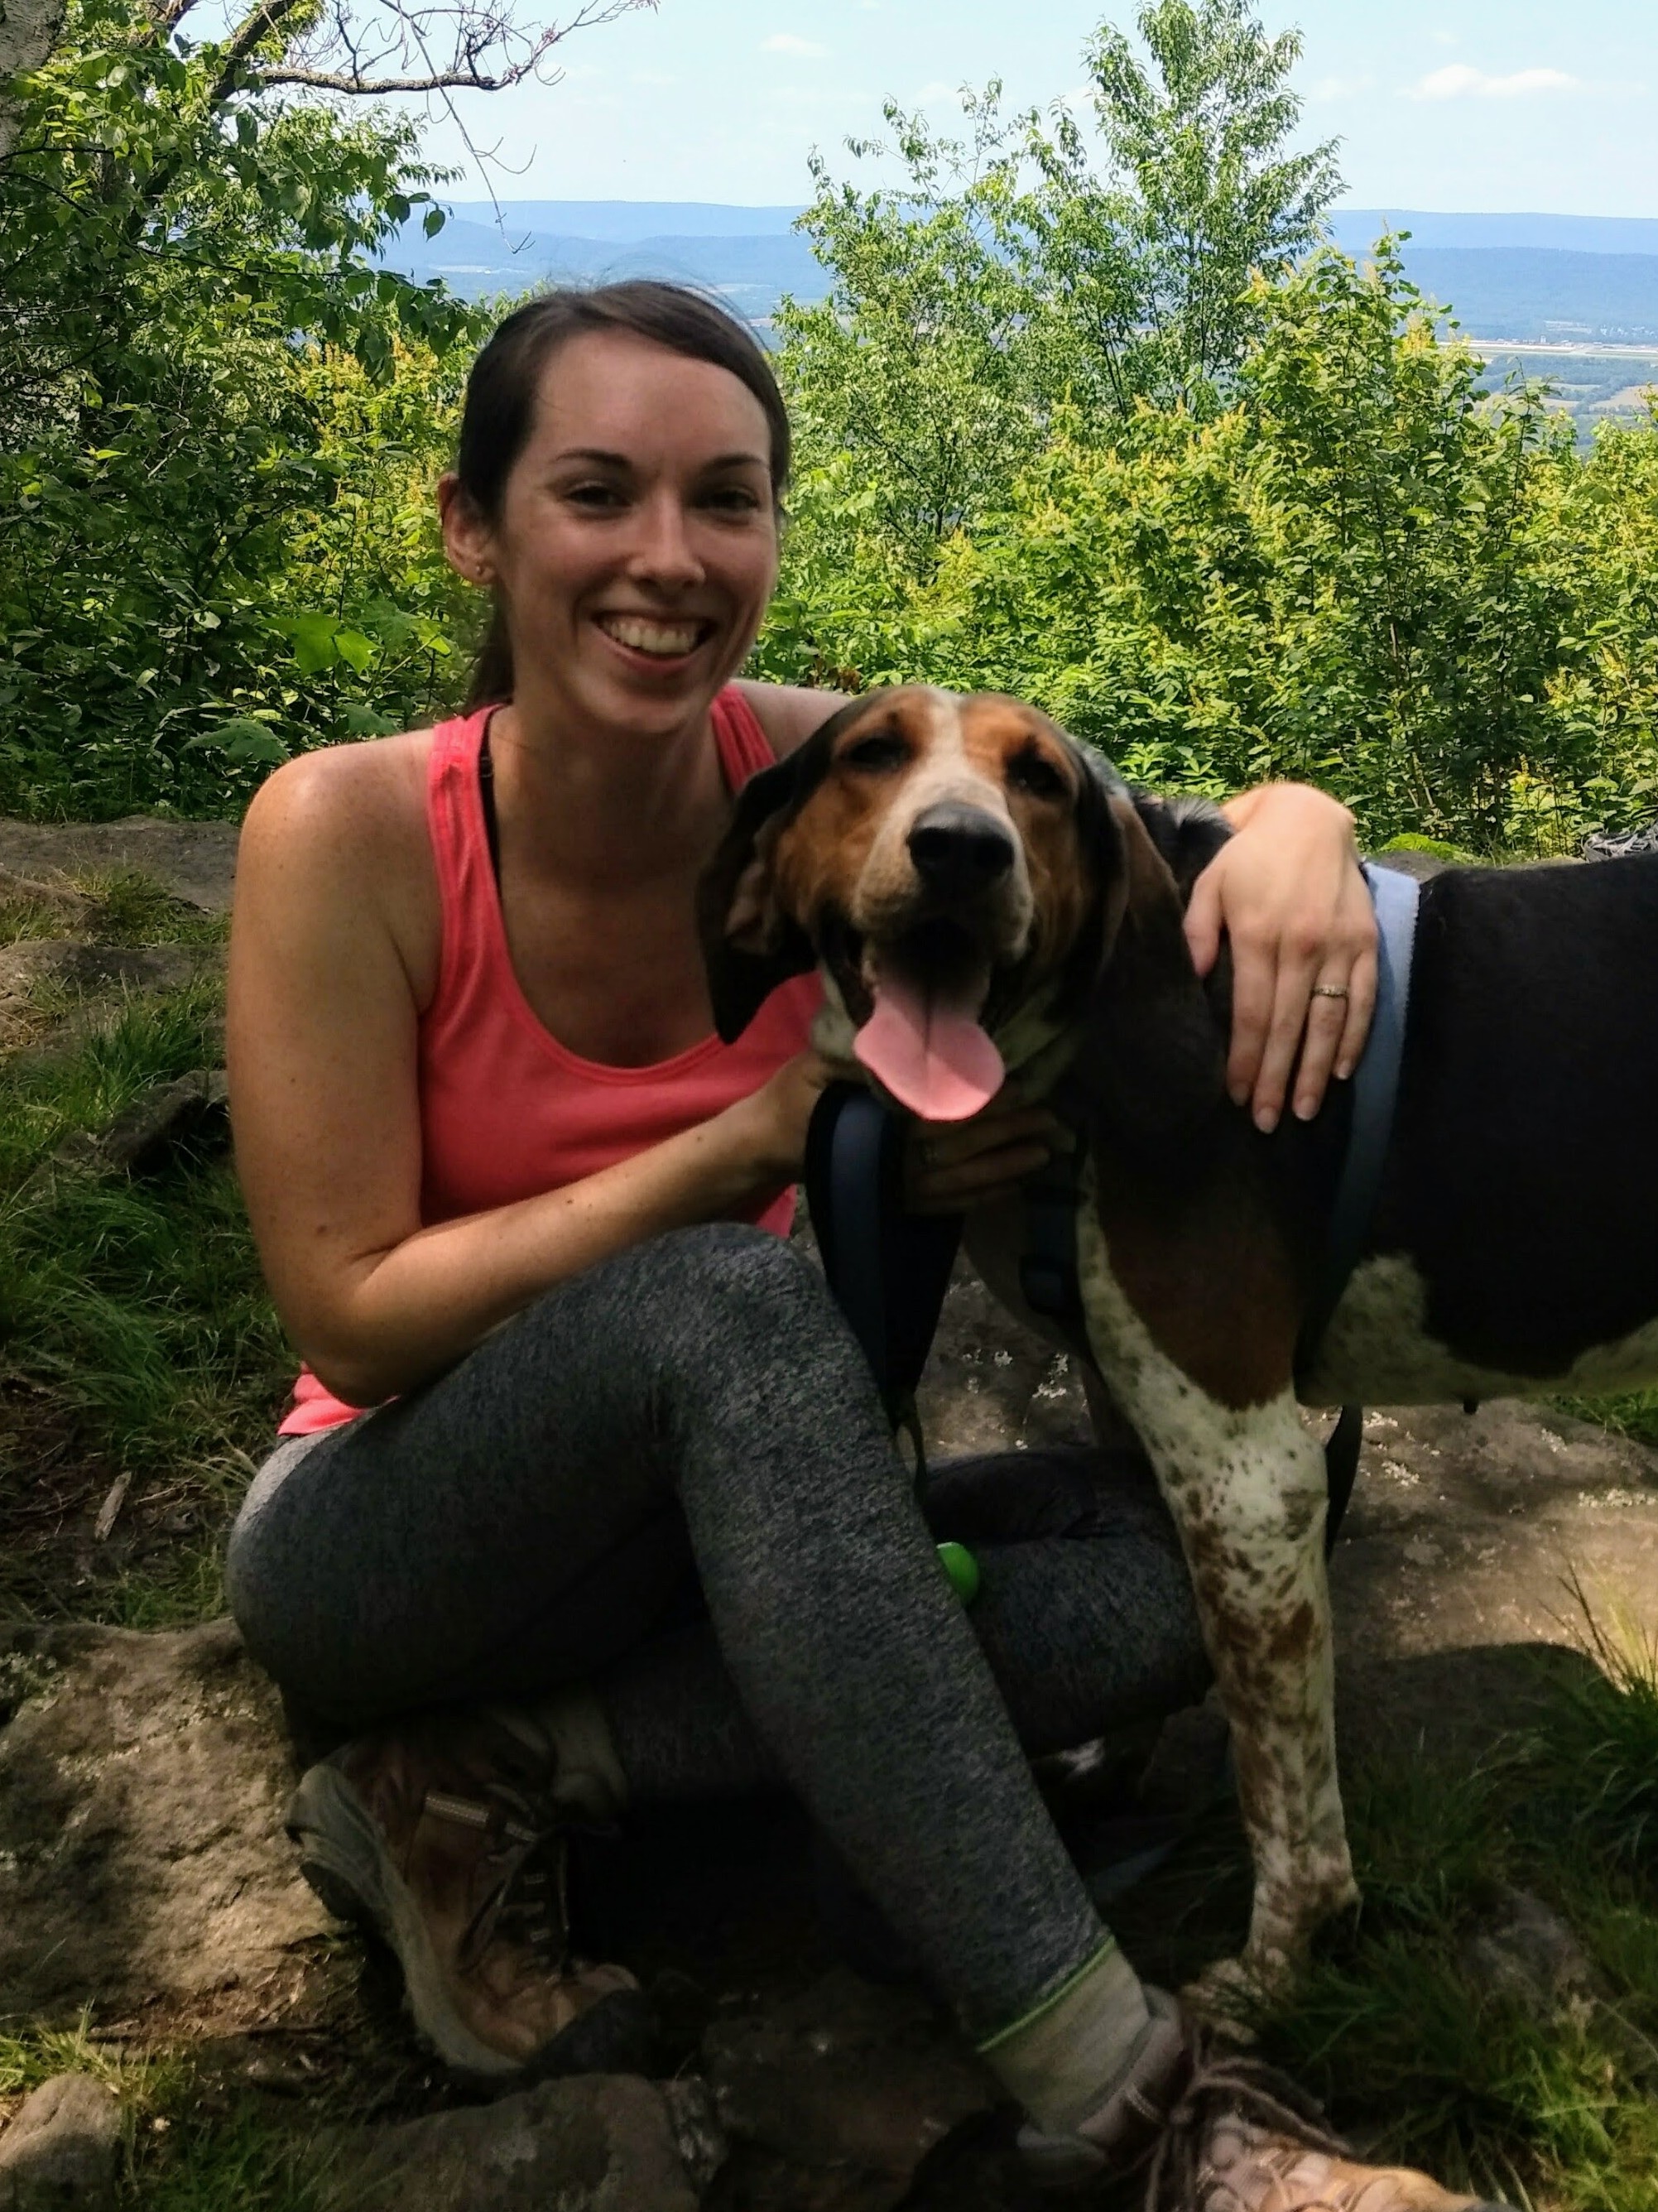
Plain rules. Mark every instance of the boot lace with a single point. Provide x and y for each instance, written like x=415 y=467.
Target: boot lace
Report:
x=520 y=1875
x=1229 y=2086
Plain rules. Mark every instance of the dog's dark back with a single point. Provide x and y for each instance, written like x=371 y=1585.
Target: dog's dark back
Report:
x=1524 y=1171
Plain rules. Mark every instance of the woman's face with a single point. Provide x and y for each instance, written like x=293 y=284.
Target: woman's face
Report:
x=636 y=545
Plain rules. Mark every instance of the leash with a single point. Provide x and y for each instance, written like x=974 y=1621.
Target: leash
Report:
x=1396 y=897
x=889 y=1269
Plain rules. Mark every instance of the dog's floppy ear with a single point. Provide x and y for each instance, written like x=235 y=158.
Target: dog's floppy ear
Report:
x=1100 y=854
x=749 y=945
x=1153 y=1055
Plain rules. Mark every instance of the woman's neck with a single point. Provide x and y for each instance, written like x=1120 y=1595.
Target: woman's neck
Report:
x=601 y=808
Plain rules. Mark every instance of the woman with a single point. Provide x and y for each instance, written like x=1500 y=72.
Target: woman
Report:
x=627 y=1523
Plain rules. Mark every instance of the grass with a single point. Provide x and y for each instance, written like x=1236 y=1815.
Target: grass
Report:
x=1547 y=2102
x=136 y=1336
x=187 y=2147
x=119 y=906
x=1633 y=1414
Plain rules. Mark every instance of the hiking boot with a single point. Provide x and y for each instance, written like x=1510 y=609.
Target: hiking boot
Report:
x=446 y=1837
x=1248 y=2168
x=1224 y=2134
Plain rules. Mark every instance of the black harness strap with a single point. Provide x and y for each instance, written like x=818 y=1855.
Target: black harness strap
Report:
x=1375 y=1095
x=487 y=801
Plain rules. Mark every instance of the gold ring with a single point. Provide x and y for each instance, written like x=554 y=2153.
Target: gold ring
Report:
x=1331 y=991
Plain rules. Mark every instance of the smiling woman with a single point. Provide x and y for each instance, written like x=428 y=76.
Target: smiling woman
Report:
x=624 y=1523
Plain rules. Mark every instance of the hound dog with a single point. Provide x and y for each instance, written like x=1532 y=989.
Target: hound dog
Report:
x=983 y=894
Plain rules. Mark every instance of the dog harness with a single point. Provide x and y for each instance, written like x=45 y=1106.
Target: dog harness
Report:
x=889 y=1270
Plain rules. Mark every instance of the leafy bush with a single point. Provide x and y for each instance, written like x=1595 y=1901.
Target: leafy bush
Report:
x=1363 y=572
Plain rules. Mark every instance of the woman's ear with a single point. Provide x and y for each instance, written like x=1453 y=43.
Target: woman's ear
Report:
x=749 y=945
x=466 y=535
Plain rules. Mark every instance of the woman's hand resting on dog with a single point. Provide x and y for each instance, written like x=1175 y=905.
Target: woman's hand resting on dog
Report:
x=1287 y=893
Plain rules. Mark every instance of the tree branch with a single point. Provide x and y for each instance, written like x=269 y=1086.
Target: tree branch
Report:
x=488 y=53
x=258 y=24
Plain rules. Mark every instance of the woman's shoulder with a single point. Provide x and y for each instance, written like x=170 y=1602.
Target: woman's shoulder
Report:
x=343 y=832
x=348 y=800
x=789 y=713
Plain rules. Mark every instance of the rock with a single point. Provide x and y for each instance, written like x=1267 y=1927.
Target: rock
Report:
x=141 y=1137
x=845 y=2075
x=80 y=966
x=1528 y=1953
x=992 y=1385
x=142 y=1855
x=693 y=2121
x=1459 y=1548
x=59 y=2154
x=195 y=861
x=595 y=2142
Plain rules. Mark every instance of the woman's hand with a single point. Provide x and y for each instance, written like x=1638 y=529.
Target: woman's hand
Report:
x=950 y=1166
x=1288 y=893
x=777 y=1116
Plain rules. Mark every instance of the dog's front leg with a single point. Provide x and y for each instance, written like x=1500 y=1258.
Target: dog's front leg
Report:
x=1246 y=1486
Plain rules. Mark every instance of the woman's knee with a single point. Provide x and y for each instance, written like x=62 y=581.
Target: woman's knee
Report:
x=740 y=1294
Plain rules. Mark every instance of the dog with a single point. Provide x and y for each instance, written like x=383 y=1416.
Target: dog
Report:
x=984 y=896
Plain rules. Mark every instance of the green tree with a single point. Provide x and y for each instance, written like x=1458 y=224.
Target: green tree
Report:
x=1201 y=183
x=1362 y=571
x=189 y=230
x=918 y=366
x=1004 y=279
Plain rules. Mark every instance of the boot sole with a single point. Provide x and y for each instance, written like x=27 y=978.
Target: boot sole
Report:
x=344 y=1861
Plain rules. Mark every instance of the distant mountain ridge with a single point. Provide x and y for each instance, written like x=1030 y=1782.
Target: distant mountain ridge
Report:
x=631 y=222
x=1518 y=278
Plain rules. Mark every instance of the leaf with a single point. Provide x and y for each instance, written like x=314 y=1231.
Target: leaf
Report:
x=354 y=647
x=241 y=739
x=434 y=221
x=314 y=638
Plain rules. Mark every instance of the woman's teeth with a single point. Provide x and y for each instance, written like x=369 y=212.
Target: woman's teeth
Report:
x=670 y=640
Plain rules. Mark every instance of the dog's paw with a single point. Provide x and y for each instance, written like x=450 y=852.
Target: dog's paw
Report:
x=1227 y=1998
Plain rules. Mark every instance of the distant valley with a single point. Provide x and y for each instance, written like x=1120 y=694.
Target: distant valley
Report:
x=1583 y=290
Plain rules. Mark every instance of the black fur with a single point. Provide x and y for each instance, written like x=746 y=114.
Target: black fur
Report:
x=1522 y=1180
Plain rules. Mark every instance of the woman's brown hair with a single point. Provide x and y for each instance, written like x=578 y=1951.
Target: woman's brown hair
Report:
x=499 y=410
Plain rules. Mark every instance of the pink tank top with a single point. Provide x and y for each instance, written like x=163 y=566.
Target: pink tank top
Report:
x=506 y=1111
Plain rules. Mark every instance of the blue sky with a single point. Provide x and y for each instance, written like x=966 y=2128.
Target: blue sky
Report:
x=1487 y=105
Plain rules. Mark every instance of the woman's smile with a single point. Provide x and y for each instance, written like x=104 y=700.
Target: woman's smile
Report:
x=657 y=639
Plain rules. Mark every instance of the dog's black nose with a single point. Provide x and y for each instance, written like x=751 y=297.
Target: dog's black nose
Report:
x=958 y=848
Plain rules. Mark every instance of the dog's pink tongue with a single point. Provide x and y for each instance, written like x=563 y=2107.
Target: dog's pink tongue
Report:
x=930 y=1052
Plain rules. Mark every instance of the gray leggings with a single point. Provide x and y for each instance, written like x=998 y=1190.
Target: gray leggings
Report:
x=670 y=1477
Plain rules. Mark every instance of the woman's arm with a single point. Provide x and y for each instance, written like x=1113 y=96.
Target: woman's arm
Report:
x=1288 y=893
x=322 y=1031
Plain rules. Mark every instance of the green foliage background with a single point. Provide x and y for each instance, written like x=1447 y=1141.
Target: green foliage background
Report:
x=1080 y=420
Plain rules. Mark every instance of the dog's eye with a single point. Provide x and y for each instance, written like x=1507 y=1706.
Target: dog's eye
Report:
x=882 y=748
x=1031 y=773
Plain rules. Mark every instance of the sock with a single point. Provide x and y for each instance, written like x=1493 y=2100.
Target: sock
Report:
x=587 y=1776
x=1063 y=2060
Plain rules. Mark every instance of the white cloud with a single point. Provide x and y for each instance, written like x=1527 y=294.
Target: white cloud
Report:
x=1443 y=38
x=938 y=88
x=1458 y=81
x=785 y=42
x=1338 y=88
